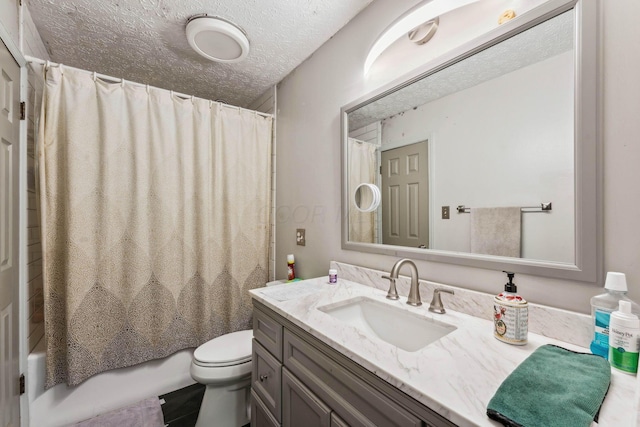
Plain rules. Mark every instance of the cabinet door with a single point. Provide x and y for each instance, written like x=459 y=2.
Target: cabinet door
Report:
x=336 y=421
x=260 y=415
x=265 y=379
x=300 y=407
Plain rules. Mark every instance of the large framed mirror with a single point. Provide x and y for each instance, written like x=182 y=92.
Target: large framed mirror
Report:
x=487 y=156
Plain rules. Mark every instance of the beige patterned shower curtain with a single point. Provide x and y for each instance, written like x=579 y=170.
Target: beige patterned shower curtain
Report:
x=362 y=170
x=155 y=221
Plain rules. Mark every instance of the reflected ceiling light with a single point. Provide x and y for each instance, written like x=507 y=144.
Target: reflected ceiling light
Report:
x=423 y=12
x=217 y=39
x=425 y=32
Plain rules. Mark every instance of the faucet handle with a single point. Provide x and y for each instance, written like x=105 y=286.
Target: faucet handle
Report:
x=392 y=293
x=436 y=302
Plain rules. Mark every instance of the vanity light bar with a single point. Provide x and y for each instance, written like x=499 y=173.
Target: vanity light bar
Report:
x=544 y=207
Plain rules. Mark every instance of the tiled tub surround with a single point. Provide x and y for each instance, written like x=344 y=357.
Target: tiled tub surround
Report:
x=563 y=325
x=455 y=376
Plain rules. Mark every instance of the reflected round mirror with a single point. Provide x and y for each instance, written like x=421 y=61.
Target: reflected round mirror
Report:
x=367 y=197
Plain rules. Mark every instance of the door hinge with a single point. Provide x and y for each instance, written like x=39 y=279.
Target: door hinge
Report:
x=23 y=110
x=21 y=384
x=380 y=170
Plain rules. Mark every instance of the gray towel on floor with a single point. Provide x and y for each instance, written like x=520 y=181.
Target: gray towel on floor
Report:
x=147 y=413
x=496 y=231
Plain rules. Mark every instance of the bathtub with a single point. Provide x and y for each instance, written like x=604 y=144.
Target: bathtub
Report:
x=61 y=405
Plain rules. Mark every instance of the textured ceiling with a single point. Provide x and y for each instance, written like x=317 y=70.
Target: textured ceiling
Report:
x=144 y=40
x=543 y=41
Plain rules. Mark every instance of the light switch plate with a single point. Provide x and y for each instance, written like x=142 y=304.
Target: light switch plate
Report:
x=445 y=212
x=300 y=237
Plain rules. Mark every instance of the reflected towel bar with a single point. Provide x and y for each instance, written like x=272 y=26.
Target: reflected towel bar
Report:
x=544 y=207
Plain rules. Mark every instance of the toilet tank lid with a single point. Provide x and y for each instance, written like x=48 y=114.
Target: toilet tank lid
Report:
x=226 y=349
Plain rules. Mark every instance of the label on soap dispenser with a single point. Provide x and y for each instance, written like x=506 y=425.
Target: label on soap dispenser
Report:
x=511 y=319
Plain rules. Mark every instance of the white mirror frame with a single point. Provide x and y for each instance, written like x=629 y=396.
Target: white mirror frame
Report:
x=587 y=149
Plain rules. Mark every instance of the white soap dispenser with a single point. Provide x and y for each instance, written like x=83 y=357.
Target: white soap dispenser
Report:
x=510 y=315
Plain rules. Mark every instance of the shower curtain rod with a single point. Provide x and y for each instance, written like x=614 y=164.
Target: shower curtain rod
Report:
x=119 y=80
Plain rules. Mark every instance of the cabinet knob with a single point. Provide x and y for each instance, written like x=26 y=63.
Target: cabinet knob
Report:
x=263 y=377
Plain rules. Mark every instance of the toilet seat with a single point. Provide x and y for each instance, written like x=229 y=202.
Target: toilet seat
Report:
x=224 y=366
x=226 y=350
x=220 y=375
x=220 y=365
x=224 y=359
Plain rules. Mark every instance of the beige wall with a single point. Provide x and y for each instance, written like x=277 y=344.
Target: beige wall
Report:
x=308 y=172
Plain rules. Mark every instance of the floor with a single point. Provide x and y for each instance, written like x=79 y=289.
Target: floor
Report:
x=180 y=407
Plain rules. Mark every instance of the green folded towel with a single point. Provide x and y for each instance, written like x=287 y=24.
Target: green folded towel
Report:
x=552 y=387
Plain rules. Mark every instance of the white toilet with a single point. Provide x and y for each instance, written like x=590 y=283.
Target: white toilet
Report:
x=223 y=365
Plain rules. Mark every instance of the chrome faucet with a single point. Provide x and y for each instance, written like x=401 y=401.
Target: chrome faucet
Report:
x=436 y=302
x=414 y=292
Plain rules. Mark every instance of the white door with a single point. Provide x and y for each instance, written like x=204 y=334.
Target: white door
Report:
x=405 y=196
x=9 y=134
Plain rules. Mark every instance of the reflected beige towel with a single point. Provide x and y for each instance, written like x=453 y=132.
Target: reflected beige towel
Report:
x=496 y=231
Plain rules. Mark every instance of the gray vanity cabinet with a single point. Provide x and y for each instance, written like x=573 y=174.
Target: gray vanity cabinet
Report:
x=300 y=407
x=298 y=380
x=336 y=421
x=357 y=403
x=260 y=414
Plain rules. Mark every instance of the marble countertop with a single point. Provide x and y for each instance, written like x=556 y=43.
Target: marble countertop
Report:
x=455 y=376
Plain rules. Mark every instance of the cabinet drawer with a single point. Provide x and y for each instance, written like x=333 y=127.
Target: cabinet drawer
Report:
x=268 y=332
x=353 y=400
x=266 y=379
x=260 y=415
x=300 y=407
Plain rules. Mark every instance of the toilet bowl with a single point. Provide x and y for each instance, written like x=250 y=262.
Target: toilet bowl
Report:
x=223 y=365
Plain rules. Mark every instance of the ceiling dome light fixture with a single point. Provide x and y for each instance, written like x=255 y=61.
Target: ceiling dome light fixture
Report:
x=217 y=39
x=423 y=12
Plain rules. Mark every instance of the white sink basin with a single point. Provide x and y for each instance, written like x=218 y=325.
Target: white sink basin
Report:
x=406 y=330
